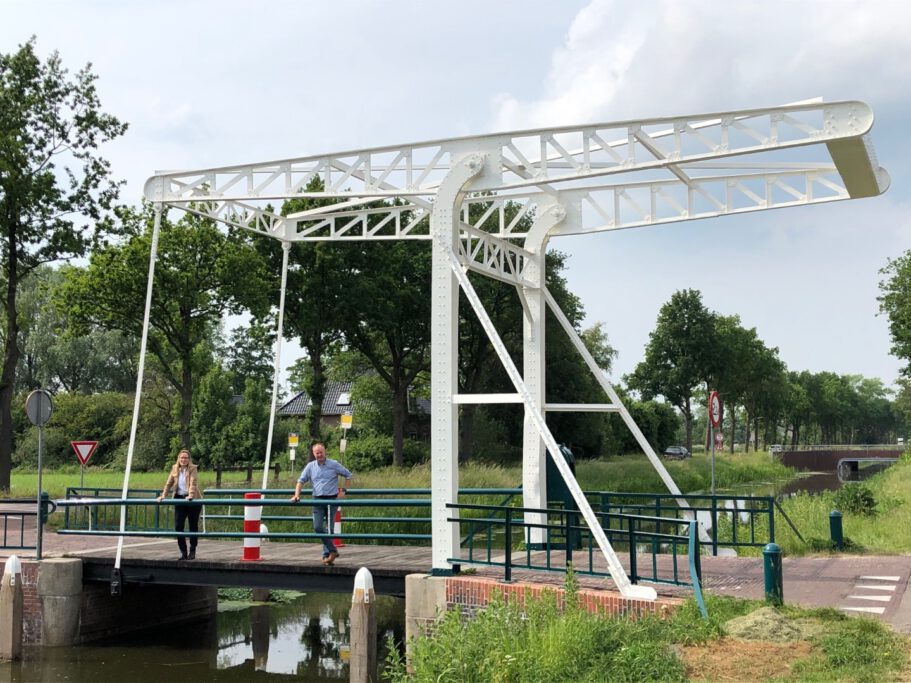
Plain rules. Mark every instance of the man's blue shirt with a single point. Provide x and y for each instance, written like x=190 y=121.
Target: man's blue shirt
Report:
x=325 y=477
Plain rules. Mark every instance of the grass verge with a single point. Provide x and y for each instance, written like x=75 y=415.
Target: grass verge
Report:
x=502 y=644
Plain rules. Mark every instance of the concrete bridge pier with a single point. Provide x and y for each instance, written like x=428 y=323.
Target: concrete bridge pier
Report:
x=60 y=594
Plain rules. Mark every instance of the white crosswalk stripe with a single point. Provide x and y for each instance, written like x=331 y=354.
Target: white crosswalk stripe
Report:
x=870 y=610
x=869 y=583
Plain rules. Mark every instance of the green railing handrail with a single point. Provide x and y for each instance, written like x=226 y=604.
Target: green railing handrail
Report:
x=375 y=492
x=248 y=502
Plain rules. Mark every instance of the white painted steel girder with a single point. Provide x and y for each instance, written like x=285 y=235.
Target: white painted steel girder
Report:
x=549 y=155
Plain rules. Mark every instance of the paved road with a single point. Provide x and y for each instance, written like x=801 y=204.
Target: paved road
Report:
x=874 y=586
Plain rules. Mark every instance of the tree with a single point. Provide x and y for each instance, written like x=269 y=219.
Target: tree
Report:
x=51 y=126
x=56 y=359
x=393 y=332
x=201 y=275
x=678 y=355
x=249 y=355
x=314 y=301
x=895 y=302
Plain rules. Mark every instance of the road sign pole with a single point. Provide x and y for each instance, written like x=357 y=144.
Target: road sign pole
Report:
x=81 y=476
x=38 y=524
x=712 y=439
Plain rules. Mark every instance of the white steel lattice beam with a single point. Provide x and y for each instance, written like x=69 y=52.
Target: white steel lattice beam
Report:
x=557 y=155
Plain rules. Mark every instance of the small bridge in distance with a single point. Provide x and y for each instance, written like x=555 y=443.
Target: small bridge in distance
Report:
x=826 y=458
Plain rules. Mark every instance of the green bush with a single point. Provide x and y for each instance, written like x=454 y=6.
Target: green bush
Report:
x=856 y=499
x=372 y=451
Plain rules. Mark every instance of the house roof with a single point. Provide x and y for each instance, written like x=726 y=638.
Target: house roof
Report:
x=299 y=404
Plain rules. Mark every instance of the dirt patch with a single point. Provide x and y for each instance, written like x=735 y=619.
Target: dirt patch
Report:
x=728 y=659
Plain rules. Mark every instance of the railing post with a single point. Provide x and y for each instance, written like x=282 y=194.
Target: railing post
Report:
x=771 y=566
x=714 y=526
x=568 y=526
x=697 y=550
x=633 y=569
x=771 y=519
x=508 y=560
x=835 y=529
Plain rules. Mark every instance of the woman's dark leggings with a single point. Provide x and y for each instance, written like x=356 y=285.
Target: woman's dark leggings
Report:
x=182 y=513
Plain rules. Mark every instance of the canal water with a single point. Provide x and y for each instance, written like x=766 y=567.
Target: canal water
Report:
x=305 y=639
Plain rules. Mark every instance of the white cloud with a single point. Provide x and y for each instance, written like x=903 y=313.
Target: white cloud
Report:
x=630 y=60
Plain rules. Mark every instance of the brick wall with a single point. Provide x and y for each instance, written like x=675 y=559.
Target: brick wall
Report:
x=472 y=593
x=31 y=606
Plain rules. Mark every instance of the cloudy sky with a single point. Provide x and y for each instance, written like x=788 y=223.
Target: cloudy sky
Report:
x=205 y=83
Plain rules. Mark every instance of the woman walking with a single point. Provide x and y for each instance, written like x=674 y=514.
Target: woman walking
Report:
x=184 y=479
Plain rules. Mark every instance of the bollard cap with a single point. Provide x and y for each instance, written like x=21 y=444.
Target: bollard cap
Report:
x=12 y=566
x=771 y=548
x=363 y=586
x=835 y=513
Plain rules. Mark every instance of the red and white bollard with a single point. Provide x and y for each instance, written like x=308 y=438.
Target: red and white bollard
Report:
x=252 y=515
x=337 y=528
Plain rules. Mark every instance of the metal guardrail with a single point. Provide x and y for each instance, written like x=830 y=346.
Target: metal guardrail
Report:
x=500 y=527
x=732 y=521
x=627 y=533
x=13 y=522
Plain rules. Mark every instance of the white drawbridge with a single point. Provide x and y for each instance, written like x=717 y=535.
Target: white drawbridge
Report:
x=573 y=180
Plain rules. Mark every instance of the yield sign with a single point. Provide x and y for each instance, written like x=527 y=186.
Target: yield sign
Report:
x=84 y=449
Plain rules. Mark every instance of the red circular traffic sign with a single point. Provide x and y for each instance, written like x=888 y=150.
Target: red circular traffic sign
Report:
x=715 y=409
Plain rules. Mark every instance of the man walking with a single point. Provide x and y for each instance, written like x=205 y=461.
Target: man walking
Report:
x=323 y=474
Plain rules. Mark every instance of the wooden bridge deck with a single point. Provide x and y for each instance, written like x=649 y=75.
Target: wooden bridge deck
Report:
x=295 y=566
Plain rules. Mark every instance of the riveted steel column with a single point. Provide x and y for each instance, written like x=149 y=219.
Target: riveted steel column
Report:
x=534 y=454
x=444 y=361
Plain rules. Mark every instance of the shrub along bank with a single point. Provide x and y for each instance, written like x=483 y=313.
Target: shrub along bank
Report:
x=544 y=644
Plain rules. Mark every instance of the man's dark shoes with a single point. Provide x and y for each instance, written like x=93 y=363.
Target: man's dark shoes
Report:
x=192 y=555
x=183 y=556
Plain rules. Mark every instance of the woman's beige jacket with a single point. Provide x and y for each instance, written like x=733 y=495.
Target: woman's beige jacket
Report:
x=192 y=481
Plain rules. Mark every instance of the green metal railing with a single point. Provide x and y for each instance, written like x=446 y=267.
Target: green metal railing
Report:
x=13 y=522
x=630 y=534
x=734 y=521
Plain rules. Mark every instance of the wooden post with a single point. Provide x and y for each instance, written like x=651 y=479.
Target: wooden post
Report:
x=363 y=629
x=11 y=610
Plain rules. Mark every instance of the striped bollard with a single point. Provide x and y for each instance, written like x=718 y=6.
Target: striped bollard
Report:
x=337 y=528
x=252 y=515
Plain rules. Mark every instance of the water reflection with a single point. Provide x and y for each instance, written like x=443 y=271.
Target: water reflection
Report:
x=303 y=640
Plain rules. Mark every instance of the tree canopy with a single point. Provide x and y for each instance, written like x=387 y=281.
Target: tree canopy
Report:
x=52 y=180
